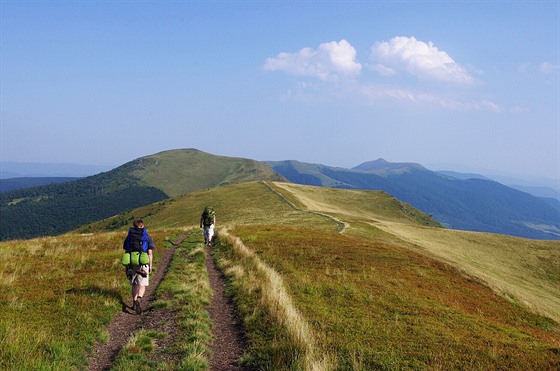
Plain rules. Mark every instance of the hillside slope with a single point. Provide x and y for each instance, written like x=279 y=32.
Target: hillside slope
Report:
x=372 y=282
x=377 y=283
x=526 y=270
x=530 y=275
x=56 y=208
x=471 y=204
x=181 y=171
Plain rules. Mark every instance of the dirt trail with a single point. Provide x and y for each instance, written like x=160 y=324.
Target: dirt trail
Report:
x=126 y=322
x=229 y=342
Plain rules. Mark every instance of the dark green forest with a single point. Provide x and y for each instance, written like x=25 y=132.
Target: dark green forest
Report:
x=58 y=208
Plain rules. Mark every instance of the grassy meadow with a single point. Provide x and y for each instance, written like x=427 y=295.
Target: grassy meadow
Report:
x=380 y=306
x=323 y=279
x=58 y=294
x=523 y=270
x=243 y=203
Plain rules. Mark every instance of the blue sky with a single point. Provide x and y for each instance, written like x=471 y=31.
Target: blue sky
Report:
x=470 y=85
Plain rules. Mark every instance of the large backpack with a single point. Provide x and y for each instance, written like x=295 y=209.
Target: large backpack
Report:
x=137 y=240
x=136 y=244
x=208 y=216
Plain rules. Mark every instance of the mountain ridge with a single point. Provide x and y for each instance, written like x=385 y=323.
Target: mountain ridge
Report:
x=382 y=166
x=469 y=204
x=168 y=170
x=57 y=208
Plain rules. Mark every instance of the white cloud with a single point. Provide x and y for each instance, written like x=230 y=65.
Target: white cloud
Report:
x=547 y=68
x=330 y=61
x=490 y=106
x=419 y=59
x=333 y=61
x=376 y=93
x=383 y=70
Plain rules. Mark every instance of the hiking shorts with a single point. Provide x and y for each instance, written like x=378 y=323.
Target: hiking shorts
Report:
x=208 y=231
x=137 y=279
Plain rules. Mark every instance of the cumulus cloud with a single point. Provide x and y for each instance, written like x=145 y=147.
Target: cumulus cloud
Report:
x=383 y=70
x=333 y=61
x=330 y=61
x=417 y=58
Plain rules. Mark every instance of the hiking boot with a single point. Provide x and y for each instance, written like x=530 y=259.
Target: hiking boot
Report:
x=136 y=306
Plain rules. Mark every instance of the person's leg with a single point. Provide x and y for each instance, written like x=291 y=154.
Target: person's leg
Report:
x=136 y=291
x=210 y=234
x=141 y=291
x=206 y=235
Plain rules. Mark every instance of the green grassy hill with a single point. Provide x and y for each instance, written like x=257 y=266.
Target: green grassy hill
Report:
x=181 y=171
x=57 y=208
x=323 y=279
x=525 y=270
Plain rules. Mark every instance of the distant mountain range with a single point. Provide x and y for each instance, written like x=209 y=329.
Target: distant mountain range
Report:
x=10 y=169
x=25 y=175
x=456 y=200
x=538 y=191
x=469 y=204
x=462 y=176
x=12 y=184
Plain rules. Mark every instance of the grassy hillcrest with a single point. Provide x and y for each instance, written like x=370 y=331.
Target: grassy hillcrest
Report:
x=57 y=208
x=522 y=269
x=322 y=277
x=181 y=171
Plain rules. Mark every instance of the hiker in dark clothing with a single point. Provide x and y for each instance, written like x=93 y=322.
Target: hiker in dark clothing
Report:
x=139 y=272
x=207 y=221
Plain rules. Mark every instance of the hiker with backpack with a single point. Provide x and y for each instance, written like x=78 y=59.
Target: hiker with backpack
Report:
x=207 y=221
x=137 y=258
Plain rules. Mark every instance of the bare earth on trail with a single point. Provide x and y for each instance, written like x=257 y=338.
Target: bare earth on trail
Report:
x=228 y=343
x=126 y=322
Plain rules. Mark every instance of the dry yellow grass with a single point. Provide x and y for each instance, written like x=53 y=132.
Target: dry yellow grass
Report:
x=383 y=306
x=520 y=269
x=279 y=304
x=527 y=271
